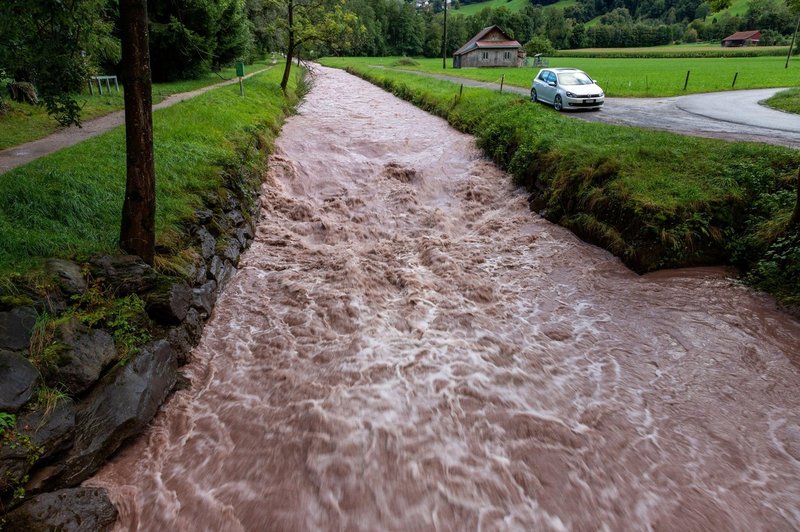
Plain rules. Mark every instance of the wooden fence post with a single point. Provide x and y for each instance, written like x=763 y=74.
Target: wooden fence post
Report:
x=686 y=83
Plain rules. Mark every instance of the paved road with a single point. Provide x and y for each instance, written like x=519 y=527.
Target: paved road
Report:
x=15 y=156
x=730 y=115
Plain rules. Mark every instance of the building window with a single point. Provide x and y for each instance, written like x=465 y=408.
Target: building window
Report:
x=485 y=55
x=506 y=55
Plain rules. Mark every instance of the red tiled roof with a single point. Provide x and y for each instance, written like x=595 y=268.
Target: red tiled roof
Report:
x=743 y=35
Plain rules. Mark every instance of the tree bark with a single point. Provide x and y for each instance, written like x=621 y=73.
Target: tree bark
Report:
x=289 y=48
x=137 y=234
x=795 y=220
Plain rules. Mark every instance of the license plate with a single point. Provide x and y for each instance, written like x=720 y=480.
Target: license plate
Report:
x=588 y=101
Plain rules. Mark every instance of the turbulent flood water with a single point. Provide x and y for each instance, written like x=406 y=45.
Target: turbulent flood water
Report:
x=408 y=347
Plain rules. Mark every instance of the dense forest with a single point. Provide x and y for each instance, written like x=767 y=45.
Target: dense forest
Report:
x=40 y=40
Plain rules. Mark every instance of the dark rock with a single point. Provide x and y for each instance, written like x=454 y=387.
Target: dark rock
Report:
x=183 y=382
x=16 y=328
x=180 y=342
x=119 y=407
x=216 y=268
x=233 y=203
x=235 y=218
x=85 y=355
x=228 y=270
x=242 y=238
x=205 y=296
x=168 y=304
x=208 y=244
x=75 y=510
x=70 y=278
x=125 y=274
x=51 y=431
x=197 y=272
x=14 y=465
x=204 y=216
x=18 y=379
x=41 y=478
x=231 y=252
x=194 y=325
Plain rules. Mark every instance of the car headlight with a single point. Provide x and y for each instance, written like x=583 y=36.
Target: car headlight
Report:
x=570 y=95
x=602 y=94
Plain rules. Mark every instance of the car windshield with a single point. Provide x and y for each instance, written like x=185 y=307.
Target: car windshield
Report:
x=574 y=78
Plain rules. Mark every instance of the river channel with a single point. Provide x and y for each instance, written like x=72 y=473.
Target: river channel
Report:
x=408 y=347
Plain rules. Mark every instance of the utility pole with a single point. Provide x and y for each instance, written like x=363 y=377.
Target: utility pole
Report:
x=444 y=39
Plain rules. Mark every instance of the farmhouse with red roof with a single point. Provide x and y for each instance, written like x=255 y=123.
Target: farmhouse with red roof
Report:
x=491 y=47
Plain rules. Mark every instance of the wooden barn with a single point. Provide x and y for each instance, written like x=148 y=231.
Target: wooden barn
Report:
x=742 y=38
x=491 y=47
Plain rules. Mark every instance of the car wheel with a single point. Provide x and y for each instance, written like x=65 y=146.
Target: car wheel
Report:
x=558 y=105
x=533 y=96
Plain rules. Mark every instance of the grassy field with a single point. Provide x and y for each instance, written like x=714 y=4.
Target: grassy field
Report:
x=654 y=199
x=69 y=203
x=788 y=101
x=513 y=5
x=680 y=51
x=24 y=123
x=630 y=77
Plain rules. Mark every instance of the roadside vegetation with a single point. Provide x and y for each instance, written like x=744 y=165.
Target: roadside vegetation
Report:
x=788 y=101
x=627 y=77
x=656 y=200
x=23 y=122
x=69 y=204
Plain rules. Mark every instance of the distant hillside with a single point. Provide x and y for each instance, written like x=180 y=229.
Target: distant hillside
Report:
x=512 y=5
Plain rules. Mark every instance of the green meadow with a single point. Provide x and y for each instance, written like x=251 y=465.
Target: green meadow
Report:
x=69 y=204
x=24 y=123
x=636 y=77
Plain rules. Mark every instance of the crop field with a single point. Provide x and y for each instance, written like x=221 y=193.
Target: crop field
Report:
x=645 y=77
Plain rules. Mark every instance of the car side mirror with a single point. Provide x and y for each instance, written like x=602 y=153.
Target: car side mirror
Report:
x=552 y=83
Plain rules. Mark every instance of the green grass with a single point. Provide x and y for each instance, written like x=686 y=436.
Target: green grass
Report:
x=655 y=199
x=512 y=5
x=24 y=123
x=631 y=77
x=69 y=203
x=679 y=51
x=788 y=101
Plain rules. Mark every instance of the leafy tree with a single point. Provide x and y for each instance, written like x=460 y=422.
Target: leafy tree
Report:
x=53 y=44
x=539 y=44
x=189 y=37
x=300 y=23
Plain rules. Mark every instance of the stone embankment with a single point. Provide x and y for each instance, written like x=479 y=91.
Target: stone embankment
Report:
x=74 y=387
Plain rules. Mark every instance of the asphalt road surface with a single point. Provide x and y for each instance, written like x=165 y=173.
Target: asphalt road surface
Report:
x=729 y=115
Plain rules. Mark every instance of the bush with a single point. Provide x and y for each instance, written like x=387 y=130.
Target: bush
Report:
x=539 y=44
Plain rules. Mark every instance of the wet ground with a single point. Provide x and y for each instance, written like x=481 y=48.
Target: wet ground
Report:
x=408 y=347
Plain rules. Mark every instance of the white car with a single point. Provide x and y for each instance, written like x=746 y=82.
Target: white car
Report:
x=567 y=88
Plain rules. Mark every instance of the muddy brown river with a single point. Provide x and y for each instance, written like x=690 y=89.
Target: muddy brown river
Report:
x=408 y=347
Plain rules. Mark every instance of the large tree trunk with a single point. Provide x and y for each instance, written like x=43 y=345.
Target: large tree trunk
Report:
x=290 y=45
x=137 y=235
x=795 y=221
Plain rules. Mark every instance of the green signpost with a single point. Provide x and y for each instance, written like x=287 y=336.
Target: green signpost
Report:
x=240 y=73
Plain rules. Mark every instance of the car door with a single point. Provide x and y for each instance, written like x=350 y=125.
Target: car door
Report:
x=543 y=89
x=549 y=89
